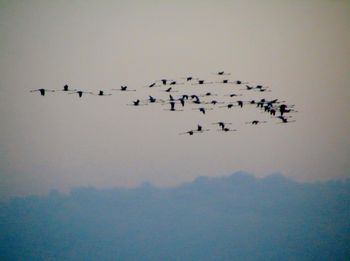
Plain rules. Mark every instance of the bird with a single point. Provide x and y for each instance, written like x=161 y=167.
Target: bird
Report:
x=260 y=103
x=238 y=82
x=175 y=83
x=151 y=99
x=248 y=87
x=66 y=89
x=172 y=107
x=225 y=129
x=208 y=94
x=182 y=101
x=170 y=90
x=224 y=81
x=195 y=99
x=263 y=90
x=221 y=73
x=190 y=132
x=189 y=78
x=222 y=124
x=101 y=93
x=200 y=82
x=42 y=91
x=228 y=106
x=255 y=122
x=135 y=103
x=214 y=102
x=151 y=85
x=232 y=95
x=165 y=81
x=283 y=108
x=124 y=89
x=200 y=128
x=285 y=119
x=202 y=109
x=171 y=98
x=80 y=93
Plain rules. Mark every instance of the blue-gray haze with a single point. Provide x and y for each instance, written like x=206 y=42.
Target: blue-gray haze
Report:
x=237 y=217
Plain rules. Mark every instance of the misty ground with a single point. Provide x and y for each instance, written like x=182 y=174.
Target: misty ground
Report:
x=238 y=217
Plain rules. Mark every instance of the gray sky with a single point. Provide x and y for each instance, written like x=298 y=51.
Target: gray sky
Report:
x=298 y=48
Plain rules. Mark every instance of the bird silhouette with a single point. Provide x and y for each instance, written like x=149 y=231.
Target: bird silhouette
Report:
x=255 y=122
x=135 y=103
x=101 y=93
x=165 y=81
x=208 y=94
x=172 y=107
x=248 y=87
x=202 y=109
x=124 y=89
x=189 y=78
x=175 y=83
x=221 y=73
x=170 y=89
x=80 y=93
x=240 y=104
x=66 y=89
x=190 y=132
x=200 y=82
x=214 y=102
x=42 y=91
x=182 y=101
x=285 y=119
x=195 y=99
x=225 y=81
x=225 y=129
x=151 y=85
x=152 y=99
x=222 y=124
x=283 y=108
x=233 y=95
x=228 y=106
x=200 y=128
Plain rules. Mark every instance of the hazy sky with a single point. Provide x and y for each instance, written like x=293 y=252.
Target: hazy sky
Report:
x=298 y=48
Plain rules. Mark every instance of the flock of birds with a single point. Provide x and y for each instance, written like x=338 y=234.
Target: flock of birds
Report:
x=204 y=101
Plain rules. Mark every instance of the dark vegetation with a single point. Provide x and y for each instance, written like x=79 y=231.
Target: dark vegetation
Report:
x=238 y=217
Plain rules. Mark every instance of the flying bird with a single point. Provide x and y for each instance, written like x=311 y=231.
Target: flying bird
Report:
x=170 y=89
x=42 y=91
x=221 y=73
x=284 y=119
x=200 y=82
x=124 y=89
x=80 y=93
x=101 y=93
x=66 y=89
x=190 y=132
x=200 y=128
x=202 y=109
x=255 y=122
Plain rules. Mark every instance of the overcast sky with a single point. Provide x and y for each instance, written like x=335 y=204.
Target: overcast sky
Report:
x=298 y=48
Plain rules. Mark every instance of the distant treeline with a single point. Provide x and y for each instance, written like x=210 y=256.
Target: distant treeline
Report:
x=238 y=217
